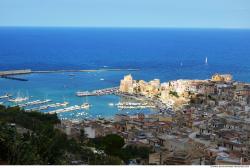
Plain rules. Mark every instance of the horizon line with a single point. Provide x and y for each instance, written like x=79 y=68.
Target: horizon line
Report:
x=125 y=27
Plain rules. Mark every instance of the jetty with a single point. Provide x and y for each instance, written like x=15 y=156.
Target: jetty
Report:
x=100 y=92
x=15 y=72
x=9 y=74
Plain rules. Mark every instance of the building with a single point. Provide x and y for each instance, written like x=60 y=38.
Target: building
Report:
x=126 y=84
x=222 y=78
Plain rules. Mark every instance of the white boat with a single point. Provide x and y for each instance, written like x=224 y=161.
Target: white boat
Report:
x=65 y=103
x=85 y=106
x=102 y=79
x=206 y=61
x=111 y=104
x=19 y=99
x=5 y=96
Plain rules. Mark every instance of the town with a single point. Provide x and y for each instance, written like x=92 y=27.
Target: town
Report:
x=200 y=122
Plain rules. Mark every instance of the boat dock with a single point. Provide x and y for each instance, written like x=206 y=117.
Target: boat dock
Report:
x=100 y=92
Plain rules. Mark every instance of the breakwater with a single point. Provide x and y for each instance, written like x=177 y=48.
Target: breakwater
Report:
x=9 y=74
x=28 y=71
x=15 y=72
x=85 y=70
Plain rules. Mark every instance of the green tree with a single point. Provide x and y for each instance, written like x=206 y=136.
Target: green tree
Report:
x=113 y=144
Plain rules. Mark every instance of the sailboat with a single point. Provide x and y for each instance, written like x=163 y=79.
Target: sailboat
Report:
x=206 y=61
x=65 y=103
x=86 y=105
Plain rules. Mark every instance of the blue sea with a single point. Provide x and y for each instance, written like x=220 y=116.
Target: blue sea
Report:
x=166 y=54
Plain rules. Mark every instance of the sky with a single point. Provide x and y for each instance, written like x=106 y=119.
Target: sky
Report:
x=126 y=13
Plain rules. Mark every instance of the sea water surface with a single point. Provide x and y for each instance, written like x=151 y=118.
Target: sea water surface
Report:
x=167 y=54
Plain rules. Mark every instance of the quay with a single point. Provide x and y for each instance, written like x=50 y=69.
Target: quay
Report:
x=100 y=92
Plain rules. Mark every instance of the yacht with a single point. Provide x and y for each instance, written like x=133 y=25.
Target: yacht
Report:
x=5 y=96
x=19 y=99
x=85 y=106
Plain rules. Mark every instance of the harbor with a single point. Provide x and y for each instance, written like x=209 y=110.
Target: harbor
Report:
x=60 y=88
